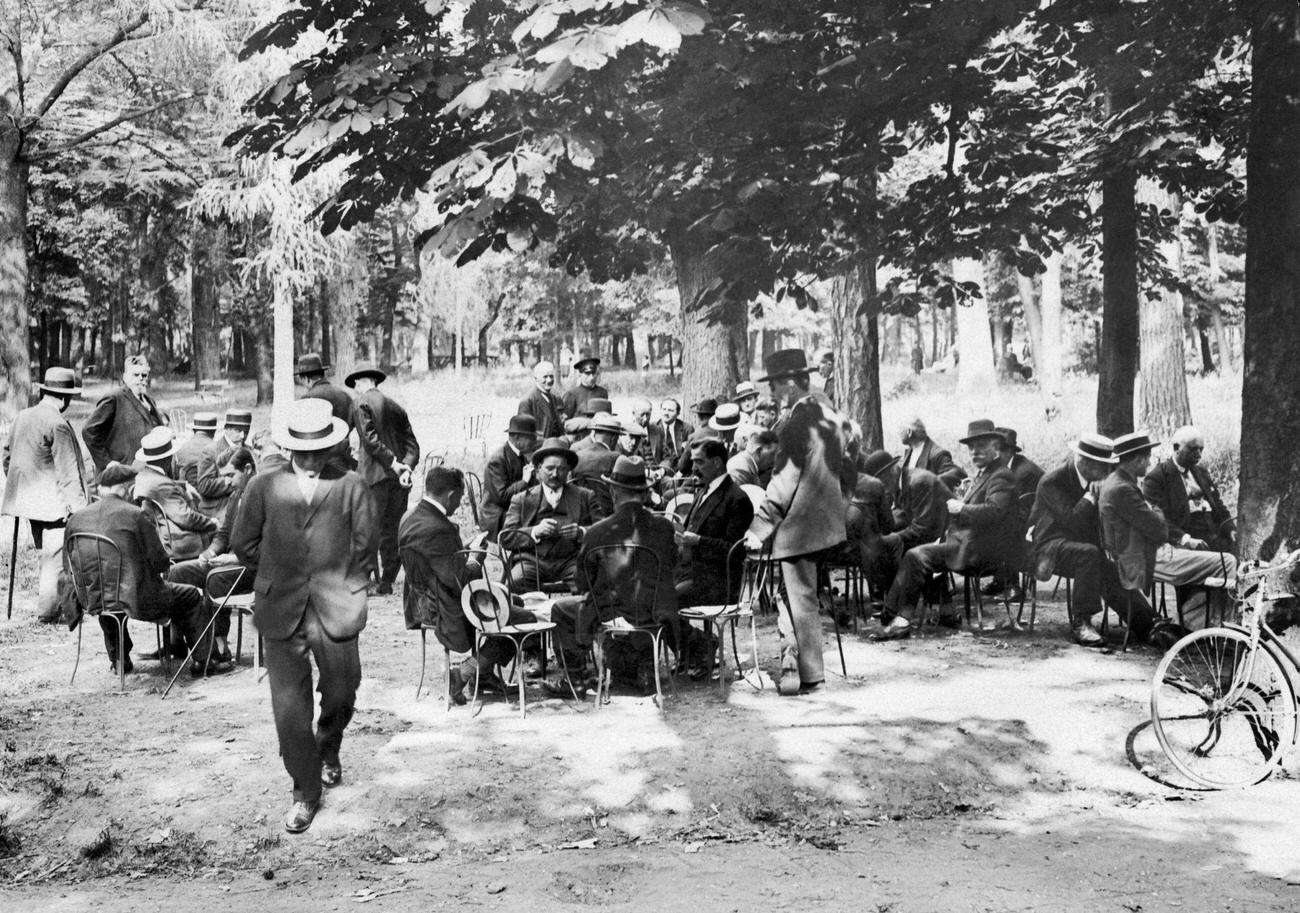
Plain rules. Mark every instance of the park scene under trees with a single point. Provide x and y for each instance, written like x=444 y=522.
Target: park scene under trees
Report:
x=1071 y=215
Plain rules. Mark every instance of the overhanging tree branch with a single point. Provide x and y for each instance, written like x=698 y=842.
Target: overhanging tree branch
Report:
x=124 y=31
x=108 y=125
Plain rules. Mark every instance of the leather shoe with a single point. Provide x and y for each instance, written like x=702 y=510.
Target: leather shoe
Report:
x=456 y=687
x=300 y=817
x=214 y=667
x=331 y=775
x=1085 y=635
x=897 y=629
x=810 y=687
x=130 y=666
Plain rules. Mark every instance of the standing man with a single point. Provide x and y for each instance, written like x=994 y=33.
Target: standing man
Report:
x=803 y=512
x=508 y=472
x=588 y=370
x=122 y=418
x=311 y=371
x=543 y=405
x=188 y=455
x=389 y=456
x=214 y=487
x=309 y=530
x=45 y=478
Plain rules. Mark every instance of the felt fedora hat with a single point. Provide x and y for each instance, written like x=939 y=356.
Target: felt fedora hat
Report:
x=522 y=424
x=629 y=473
x=979 y=429
x=238 y=418
x=745 y=390
x=1009 y=435
x=310 y=364
x=1095 y=447
x=603 y=421
x=727 y=418
x=1128 y=444
x=205 y=421
x=60 y=382
x=158 y=444
x=366 y=370
x=582 y=364
x=555 y=446
x=309 y=426
x=705 y=407
x=595 y=404
x=878 y=461
x=785 y=363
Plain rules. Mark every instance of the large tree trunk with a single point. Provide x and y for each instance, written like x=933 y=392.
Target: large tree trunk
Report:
x=1033 y=316
x=207 y=266
x=15 y=360
x=1118 y=357
x=855 y=340
x=1162 y=361
x=1047 y=361
x=715 y=335
x=976 y=376
x=158 y=293
x=1269 y=502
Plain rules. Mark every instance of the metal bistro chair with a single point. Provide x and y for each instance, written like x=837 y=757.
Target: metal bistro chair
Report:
x=623 y=593
x=222 y=587
x=426 y=627
x=179 y=420
x=491 y=619
x=476 y=425
x=93 y=563
x=729 y=616
x=166 y=528
x=508 y=555
x=473 y=498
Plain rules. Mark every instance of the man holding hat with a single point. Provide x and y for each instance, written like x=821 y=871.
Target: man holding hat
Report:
x=389 y=455
x=575 y=398
x=45 y=478
x=544 y=525
x=1067 y=533
x=802 y=515
x=541 y=404
x=122 y=418
x=213 y=486
x=508 y=472
x=183 y=530
x=309 y=531
x=186 y=461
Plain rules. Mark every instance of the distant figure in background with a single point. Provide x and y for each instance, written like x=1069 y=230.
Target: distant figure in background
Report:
x=543 y=405
x=826 y=368
x=921 y=452
x=588 y=369
x=746 y=398
x=122 y=418
x=508 y=472
x=45 y=478
x=389 y=455
x=186 y=461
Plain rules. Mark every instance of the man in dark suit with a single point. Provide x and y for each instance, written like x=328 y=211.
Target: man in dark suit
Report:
x=983 y=529
x=1027 y=474
x=45 y=478
x=922 y=453
x=577 y=428
x=508 y=472
x=919 y=514
x=869 y=515
x=183 y=530
x=389 y=455
x=669 y=435
x=622 y=586
x=544 y=525
x=310 y=532
x=142 y=592
x=597 y=459
x=1067 y=534
x=122 y=418
x=212 y=486
x=203 y=429
x=543 y=405
x=717 y=520
x=1188 y=497
x=574 y=399
x=310 y=371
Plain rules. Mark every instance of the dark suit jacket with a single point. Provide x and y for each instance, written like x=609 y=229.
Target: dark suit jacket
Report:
x=868 y=517
x=1131 y=529
x=45 y=475
x=116 y=427
x=319 y=553
x=620 y=585
x=220 y=543
x=385 y=432
x=187 y=457
x=988 y=528
x=575 y=398
x=214 y=487
x=937 y=460
x=502 y=480
x=661 y=451
x=921 y=512
x=546 y=410
x=720 y=520
x=1027 y=473
x=593 y=462
x=577 y=505
x=182 y=529
x=1062 y=514
x=428 y=541
x=1163 y=486
x=141 y=593
x=341 y=403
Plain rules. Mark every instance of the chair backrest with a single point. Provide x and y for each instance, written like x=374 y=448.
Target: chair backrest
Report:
x=476 y=425
x=473 y=497
x=223 y=582
x=94 y=565
x=751 y=585
x=623 y=579
x=179 y=420
x=166 y=530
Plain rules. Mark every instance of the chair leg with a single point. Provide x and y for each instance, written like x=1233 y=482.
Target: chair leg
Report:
x=446 y=664
x=239 y=635
x=77 y=662
x=121 y=653
x=656 y=644
x=473 y=701
x=424 y=658
x=598 y=653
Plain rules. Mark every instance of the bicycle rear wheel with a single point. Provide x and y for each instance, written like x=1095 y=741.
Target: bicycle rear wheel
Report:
x=1224 y=714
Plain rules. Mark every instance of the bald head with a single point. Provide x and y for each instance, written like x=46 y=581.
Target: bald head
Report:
x=913 y=432
x=1188 y=446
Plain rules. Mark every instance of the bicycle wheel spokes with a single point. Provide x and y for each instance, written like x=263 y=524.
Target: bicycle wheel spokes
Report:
x=1223 y=714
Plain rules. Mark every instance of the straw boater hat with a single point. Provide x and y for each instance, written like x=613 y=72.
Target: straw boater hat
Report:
x=745 y=390
x=157 y=445
x=785 y=363
x=522 y=424
x=555 y=446
x=205 y=421
x=727 y=418
x=980 y=429
x=310 y=364
x=629 y=473
x=1126 y=445
x=60 y=382
x=604 y=422
x=1095 y=447
x=486 y=600
x=238 y=418
x=365 y=371
x=309 y=426
x=1009 y=435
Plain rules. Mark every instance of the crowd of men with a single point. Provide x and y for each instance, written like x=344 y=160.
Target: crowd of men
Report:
x=633 y=518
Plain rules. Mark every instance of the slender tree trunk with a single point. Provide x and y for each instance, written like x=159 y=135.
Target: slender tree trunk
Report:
x=282 y=345
x=934 y=331
x=1047 y=359
x=855 y=340
x=976 y=376
x=714 y=336
x=629 y=352
x=1163 y=405
x=1118 y=355
x=918 y=344
x=15 y=360
x=1214 y=271
x=1033 y=316
x=1269 y=500
x=348 y=301
x=207 y=265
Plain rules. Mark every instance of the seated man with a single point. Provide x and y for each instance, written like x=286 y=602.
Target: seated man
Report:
x=922 y=453
x=544 y=525
x=1187 y=496
x=429 y=542
x=597 y=458
x=212 y=488
x=869 y=516
x=188 y=455
x=508 y=472
x=622 y=586
x=1067 y=534
x=577 y=428
x=982 y=530
x=1137 y=535
x=753 y=465
x=919 y=514
x=184 y=531
x=669 y=435
x=142 y=592
x=717 y=520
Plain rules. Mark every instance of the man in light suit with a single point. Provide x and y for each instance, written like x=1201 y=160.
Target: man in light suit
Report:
x=122 y=418
x=45 y=478
x=922 y=453
x=803 y=513
x=311 y=533
x=508 y=472
x=389 y=455
x=543 y=405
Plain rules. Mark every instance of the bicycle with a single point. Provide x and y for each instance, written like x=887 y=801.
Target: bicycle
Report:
x=1223 y=702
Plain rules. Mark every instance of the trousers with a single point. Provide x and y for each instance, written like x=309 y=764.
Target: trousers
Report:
x=391 y=500
x=800 y=624
x=183 y=605
x=1092 y=579
x=288 y=663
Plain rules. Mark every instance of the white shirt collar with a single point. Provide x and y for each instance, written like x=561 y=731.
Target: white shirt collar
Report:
x=306 y=484
x=442 y=510
x=552 y=497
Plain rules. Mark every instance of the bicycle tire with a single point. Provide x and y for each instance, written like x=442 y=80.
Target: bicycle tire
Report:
x=1223 y=721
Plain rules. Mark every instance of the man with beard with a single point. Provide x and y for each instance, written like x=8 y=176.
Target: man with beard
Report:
x=122 y=418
